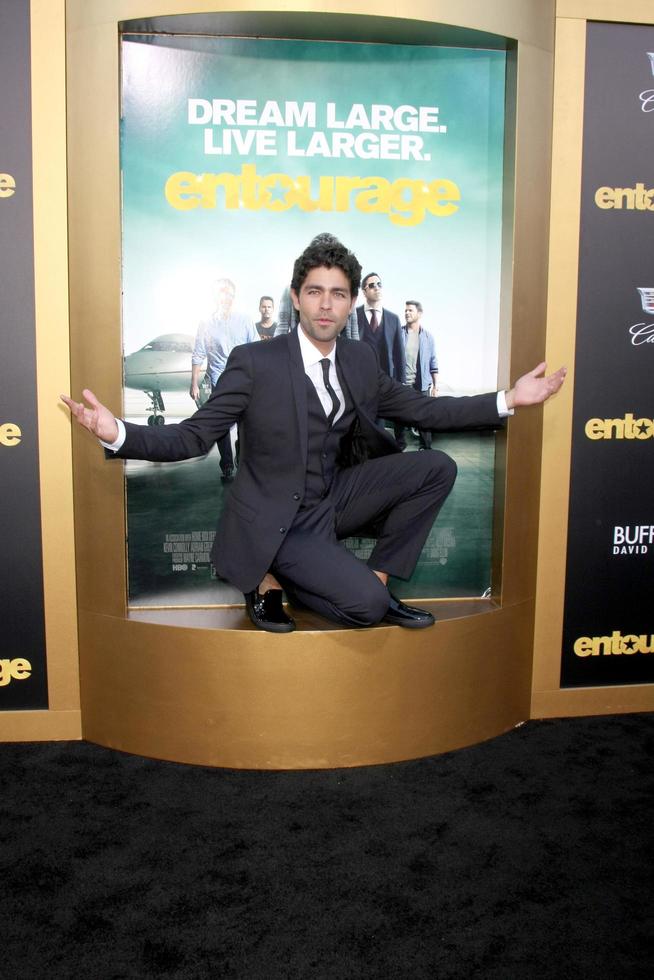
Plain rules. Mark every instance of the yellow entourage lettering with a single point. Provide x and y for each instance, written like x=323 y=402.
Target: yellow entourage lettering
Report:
x=628 y=427
x=636 y=198
x=405 y=201
x=14 y=670
x=7 y=185
x=10 y=434
x=615 y=645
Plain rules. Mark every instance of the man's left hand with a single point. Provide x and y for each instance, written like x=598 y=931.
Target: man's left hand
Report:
x=535 y=387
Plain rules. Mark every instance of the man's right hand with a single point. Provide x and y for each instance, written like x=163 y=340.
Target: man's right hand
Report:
x=194 y=391
x=97 y=419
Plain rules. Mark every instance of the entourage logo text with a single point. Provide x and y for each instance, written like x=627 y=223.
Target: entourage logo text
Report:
x=638 y=198
x=617 y=644
x=7 y=185
x=406 y=202
x=14 y=670
x=10 y=434
x=628 y=427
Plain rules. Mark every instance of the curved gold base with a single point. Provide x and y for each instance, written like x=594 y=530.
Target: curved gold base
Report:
x=241 y=698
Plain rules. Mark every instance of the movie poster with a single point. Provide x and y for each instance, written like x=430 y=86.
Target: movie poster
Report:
x=235 y=153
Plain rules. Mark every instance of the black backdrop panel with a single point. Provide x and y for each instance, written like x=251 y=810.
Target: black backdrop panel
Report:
x=609 y=608
x=23 y=681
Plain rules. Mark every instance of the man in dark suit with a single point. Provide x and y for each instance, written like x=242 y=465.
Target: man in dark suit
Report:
x=315 y=468
x=381 y=329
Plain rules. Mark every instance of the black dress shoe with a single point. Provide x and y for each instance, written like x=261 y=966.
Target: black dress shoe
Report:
x=411 y=617
x=267 y=612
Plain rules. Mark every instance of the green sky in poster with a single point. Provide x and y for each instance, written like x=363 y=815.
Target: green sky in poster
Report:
x=450 y=262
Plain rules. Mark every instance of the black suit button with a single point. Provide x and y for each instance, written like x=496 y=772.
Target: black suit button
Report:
x=282 y=530
x=296 y=496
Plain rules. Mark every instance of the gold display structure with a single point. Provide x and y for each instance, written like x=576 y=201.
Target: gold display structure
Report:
x=203 y=686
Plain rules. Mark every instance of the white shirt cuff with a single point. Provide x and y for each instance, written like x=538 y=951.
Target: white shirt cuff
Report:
x=502 y=409
x=120 y=438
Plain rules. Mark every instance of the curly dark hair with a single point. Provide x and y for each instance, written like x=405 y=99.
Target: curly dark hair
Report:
x=326 y=250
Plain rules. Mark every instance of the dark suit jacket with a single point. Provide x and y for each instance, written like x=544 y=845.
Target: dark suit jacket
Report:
x=263 y=388
x=392 y=328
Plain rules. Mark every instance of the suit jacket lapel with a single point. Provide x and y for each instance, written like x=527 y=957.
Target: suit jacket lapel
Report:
x=388 y=334
x=346 y=368
x=378 y=441
x=299 y=386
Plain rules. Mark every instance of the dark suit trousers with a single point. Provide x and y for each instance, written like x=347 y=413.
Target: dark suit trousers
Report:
x=226 y=453
x=400 y=496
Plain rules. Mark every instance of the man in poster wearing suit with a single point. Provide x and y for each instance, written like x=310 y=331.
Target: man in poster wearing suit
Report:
x=315 y=468
x=382 y=330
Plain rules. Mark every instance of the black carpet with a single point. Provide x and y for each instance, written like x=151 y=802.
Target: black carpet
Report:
x=529 y=856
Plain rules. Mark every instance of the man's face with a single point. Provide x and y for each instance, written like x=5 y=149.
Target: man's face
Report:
x=411 y=314
x=372 y=290
x=266 y=308
x=324 y=304
x=224 y=296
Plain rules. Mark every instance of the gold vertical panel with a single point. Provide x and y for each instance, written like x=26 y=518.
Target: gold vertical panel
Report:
x=562 y=316
x=627 y=11
x=241 y=697
x=527 y=343
x=96 y=347
x=48 y=77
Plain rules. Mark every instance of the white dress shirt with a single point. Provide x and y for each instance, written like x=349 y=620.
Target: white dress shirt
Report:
x=379 y=310
x=311 y=358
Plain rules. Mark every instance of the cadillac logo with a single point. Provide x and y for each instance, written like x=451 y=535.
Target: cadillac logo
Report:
x=647 y=97
x=647 y=293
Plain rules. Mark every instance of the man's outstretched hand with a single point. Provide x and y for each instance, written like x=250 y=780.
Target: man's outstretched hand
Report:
x=535 y=387
x=97 y=419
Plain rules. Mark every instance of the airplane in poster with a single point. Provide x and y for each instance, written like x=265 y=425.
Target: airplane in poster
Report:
x=163 y=364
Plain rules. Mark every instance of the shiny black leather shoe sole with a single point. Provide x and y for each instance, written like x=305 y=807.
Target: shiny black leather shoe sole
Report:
x=410 y=617
x=267 y=613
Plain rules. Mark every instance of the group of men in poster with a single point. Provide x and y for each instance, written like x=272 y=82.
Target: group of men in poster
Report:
x=406 y=352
